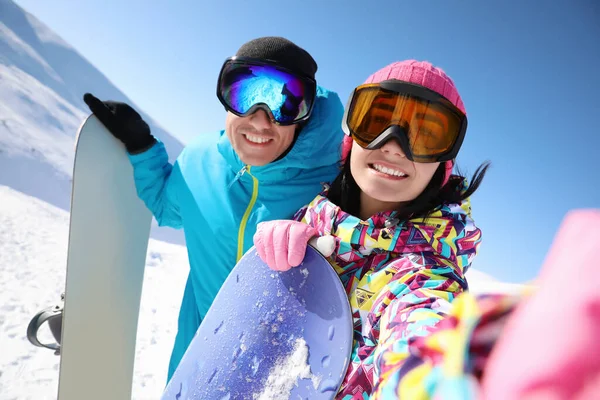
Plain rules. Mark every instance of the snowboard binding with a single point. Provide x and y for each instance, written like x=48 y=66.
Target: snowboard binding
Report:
x=52 y=315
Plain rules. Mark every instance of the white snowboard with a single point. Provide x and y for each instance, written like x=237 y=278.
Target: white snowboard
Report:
x=108 y=240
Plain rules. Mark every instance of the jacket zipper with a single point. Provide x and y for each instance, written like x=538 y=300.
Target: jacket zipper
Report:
x=242 y=229
x=237 y=176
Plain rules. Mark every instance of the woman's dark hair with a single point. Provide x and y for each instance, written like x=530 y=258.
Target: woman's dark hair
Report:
x=345 y=192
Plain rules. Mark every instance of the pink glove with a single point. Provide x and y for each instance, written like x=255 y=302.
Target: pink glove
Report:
x=282 y=243
x=549 y=349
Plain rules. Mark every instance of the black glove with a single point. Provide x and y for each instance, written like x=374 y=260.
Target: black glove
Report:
x=123 y=122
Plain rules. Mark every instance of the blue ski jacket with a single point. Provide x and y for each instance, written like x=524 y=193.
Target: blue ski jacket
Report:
x=218 y=201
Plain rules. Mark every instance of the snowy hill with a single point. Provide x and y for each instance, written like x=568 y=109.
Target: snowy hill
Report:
x=42 y=82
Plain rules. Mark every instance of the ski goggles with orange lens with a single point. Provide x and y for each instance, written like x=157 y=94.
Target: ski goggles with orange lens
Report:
x=246 y=85
x=428 y=127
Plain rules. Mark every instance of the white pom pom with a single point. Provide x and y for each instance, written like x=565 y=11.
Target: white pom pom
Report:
x=323 y=244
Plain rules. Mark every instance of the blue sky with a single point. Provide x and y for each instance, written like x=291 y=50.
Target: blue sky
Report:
x=528 y=73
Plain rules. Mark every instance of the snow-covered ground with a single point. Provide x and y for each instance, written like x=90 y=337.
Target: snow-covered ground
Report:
x=33 y=249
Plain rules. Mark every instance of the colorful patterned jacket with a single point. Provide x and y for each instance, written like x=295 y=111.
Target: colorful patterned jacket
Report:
x=400 y=280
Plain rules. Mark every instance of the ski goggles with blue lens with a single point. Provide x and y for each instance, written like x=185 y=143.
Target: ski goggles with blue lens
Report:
x=246 y=85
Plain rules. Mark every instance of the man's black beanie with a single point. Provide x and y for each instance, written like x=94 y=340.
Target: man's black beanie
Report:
x=284 y=52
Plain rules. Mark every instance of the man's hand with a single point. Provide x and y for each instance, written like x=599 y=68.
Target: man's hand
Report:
x=123 y=122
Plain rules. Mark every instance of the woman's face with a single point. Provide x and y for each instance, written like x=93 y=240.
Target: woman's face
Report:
x=387 y=178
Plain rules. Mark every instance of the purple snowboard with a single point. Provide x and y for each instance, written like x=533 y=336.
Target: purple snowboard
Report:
x=270 y=335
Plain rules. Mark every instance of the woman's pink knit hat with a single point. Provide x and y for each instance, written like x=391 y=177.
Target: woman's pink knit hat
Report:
x=421 y=73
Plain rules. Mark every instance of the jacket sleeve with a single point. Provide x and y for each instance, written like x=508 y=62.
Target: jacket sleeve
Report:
x=416 y=299
x=448 y=363
x=157 y=183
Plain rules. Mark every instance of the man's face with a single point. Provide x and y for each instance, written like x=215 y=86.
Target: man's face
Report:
x=255 y=139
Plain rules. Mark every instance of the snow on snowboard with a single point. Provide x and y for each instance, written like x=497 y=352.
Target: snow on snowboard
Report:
x=270 y=335
x=108 y=238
